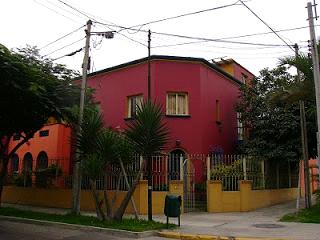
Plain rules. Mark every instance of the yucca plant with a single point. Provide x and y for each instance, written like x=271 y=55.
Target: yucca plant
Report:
x=148 y=134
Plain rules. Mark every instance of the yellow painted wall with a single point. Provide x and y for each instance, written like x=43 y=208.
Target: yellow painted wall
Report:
x=246 y=199
x=62 y=198
x=228 y=67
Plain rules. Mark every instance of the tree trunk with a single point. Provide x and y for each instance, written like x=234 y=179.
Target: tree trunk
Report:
x=3 y=174
x=106 y=199
x=128 y=186
x=1 y=188
x=97 y=203
x=120 y=212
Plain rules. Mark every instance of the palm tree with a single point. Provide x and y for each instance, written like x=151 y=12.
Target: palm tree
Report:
x=149 y=134
x=87 y=142
x=303 y=90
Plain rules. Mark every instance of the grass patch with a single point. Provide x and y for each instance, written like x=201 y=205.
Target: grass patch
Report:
x=126 y=224
x=311 y=215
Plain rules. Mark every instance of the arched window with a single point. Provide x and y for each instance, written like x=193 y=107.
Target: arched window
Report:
x=27 y=162
x=15 y=163
x=42 y=160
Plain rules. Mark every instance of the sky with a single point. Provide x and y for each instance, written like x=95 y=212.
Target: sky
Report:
x=39 y=22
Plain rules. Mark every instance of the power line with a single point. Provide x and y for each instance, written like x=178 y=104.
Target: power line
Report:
x=63 y=9
x=64 y=36
x=75 y=9
x=265 y=33
x=133 y=40
x=267 y=25
x=181 y=15
x=199 y=38
x=55 y=11
x=64 y=47
x=218 y=40
x=85 y=14
x=69 y=54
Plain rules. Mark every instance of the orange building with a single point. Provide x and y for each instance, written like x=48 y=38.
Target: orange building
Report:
x=50 y=145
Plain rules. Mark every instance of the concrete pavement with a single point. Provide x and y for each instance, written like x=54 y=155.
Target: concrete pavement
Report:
x=262 y=223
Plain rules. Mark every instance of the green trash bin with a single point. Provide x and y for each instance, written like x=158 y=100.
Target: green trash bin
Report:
x=172 y=207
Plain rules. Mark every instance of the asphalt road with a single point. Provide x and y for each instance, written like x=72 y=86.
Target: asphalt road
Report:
x=19 y=231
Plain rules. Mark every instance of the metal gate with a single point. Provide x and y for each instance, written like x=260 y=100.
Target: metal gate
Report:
x=194 y=183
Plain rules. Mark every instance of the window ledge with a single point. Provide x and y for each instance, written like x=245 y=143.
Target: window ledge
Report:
x=177 y=116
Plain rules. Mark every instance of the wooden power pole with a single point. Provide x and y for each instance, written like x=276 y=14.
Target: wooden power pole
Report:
x=304 y=141
x=76 y=183
x=149 y=158
x=316 y=77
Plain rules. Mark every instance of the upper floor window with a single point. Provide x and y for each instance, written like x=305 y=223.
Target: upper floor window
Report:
x=240 y=127
x=16 y=136
x=244 y=78
x=44 y=133
x=134 y=102
x=177 y=103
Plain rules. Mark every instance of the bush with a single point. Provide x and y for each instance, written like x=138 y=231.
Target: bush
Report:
x=317 y=193
x=45 y=177
x=23 y=180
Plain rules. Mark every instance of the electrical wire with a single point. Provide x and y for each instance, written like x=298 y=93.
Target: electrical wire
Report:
x=68 y=55
x=64 y=47
x=179 y=16
x=64 y=9
x=87 y=15
x=75 y=9
x=199 y=38
x=265 y=33
x=49 y=8
x=267 y=25
x=62 y=37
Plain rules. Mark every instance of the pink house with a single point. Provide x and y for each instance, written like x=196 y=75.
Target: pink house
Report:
x=197 y=96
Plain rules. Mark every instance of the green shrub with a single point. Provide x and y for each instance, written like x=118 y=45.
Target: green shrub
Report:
x=45 y=177
x=23 y=180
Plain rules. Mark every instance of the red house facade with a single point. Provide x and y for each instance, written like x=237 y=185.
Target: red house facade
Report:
x=197 y=96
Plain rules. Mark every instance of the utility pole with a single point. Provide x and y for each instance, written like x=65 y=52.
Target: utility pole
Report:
x=149 y=158
x=76 y=183
x=316 y=76
x=149 y=65
x=304 y=141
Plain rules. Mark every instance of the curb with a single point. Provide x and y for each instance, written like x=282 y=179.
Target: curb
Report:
x=109 y=231
x=188 y=236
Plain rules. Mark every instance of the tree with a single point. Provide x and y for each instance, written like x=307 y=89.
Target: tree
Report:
x=274 y=125
x=99 y=148
x=32 y=89
x=149 y=135
x=303 y=90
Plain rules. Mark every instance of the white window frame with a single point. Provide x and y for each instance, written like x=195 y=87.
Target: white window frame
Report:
x=176 y=103
x=129 y=102
x=240 y=128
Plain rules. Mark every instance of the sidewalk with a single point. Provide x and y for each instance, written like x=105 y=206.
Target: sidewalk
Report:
x=260 y=223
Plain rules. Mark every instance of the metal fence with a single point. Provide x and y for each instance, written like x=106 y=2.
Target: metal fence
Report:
x=230 y=169
x=194 y=170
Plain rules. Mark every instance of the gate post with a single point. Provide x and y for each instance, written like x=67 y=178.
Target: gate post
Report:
x=208 y=168
x=244 y=163
x=181 y=167
x=263 y=176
